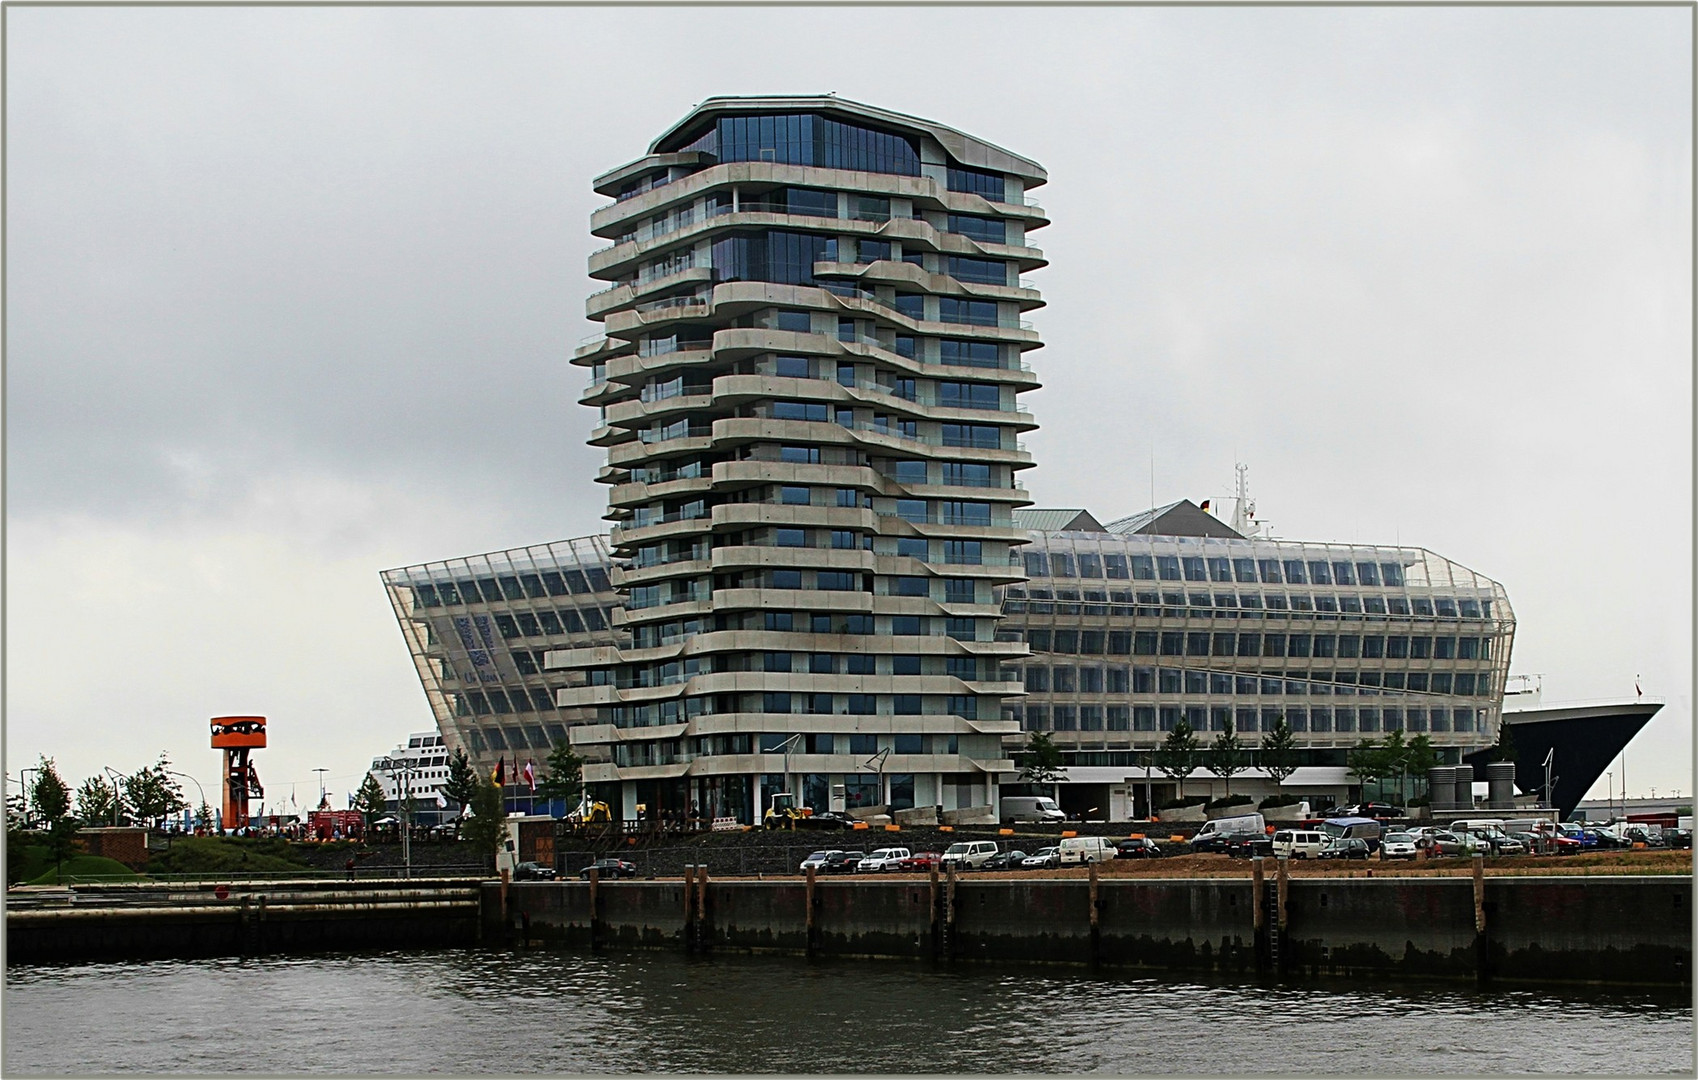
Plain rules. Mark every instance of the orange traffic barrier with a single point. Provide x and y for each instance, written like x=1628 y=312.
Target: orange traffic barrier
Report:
x=1068 y=833
x=1005 y=832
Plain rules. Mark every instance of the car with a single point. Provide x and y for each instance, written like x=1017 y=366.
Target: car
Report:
x=1345 y=847
x=1377 y=810
x=1397 y=845
x=1442 y=842
x=1678 y=838
x=1603 y=840
x=1248 y=847
x=1005 y=860
x=843 y=862
x=884 y=858
x=1299 y=843
x=816 y=860
x=969 y=854
x=608 y=868
x=1136 y=847
x=533 y=871
x=828 y=819
x=919 y=863
x=1505 y=844
x=1046 y=859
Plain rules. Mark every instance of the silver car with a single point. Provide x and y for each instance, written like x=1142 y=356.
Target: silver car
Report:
x=1045 y=859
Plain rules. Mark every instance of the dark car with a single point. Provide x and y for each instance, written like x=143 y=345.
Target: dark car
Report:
x=1249 y=847
x=1345 y=847
x=1136 y=847
x=1376 y=810
x=1678 y=838
x=1004 y=860
x=533 y=871
x=1602 y=841
x=828 y=819
x=609 y=868
x=842 y=862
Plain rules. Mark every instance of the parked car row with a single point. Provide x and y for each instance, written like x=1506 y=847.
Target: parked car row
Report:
x=980 y=855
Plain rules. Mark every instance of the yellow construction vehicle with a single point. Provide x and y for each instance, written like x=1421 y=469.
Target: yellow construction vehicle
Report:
x=588 y=812
x=783 y=813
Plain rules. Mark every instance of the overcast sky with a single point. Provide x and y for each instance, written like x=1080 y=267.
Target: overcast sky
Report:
x=291 y=291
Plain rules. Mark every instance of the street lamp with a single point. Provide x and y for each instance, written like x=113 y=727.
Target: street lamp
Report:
x=186 y=776
x=25 y=785
x=876 y=765
x=117 y=791
x=404 y=795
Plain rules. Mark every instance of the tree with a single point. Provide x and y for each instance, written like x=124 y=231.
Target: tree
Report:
x=565 y=777
x=204 y=815
x=1394 y=754
x=462 y=782
x=152 y=794
x=370 y=800
x=1226 y=755
x=1505 y=749
x=1279 y=751
x=50 y=796
x=1178 y=754
x=62 y=842
x=98 y=802
x=1365 y=761
x=1420 y=757
x=487 y=827
x=1040 y=762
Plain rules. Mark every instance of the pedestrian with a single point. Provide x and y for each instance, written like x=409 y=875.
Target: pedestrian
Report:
x=350 y=868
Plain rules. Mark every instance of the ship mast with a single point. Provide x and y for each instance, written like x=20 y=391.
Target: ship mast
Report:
x=1244 y=508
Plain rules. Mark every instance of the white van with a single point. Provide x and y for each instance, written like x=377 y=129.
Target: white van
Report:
x=1298 y=843
x=1078 y=850
x=1031 y=808
x=884 y=858
x=969 y=854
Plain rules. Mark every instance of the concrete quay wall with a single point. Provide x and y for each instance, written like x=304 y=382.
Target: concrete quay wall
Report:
x=132 y=923
x=1614 y=929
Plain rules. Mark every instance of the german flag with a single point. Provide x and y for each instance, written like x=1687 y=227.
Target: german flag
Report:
x=1205 y=505
x=499 y=776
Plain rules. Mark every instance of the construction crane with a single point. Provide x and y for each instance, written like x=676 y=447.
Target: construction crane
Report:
x=236 y=736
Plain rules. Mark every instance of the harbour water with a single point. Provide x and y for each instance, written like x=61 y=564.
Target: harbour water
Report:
x=462 y=1011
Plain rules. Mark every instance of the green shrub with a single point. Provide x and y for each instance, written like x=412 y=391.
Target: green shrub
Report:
x=1419 y=800
x=84 y=868
x=1226 y=801
x=1180 y=804
x=1274 y=801
x=225 y=854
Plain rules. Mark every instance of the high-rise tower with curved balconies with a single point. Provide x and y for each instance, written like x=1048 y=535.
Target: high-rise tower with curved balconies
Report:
x=809 y=396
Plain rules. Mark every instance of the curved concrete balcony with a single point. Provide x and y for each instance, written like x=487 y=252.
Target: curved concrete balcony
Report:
x=635 y=452
x=1013 y=496
x=636 y=413
x=676 y=609
x=734 y=475
x=634 y=535
x=615 y=219
x=759 y=599
x=598 y=304
x=632 y=371
x=751 y=557
x=648 y=575
x=737 y=343
x=730 y=516
x=633 y=494
x=611 y=435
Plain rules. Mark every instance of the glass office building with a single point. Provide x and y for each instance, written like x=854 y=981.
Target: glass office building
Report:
x=478 y=628
x=1131 y=634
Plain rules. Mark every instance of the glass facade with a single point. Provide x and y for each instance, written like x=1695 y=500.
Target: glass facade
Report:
x=1342 y=641
x=478 y=629
x=808 y=139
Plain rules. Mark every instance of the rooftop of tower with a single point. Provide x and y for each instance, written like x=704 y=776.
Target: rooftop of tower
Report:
x=964 y=148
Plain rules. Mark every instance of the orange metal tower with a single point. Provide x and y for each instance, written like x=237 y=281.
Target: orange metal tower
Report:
x=236 y=735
